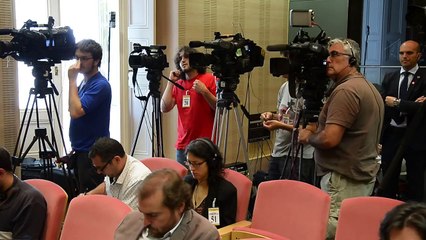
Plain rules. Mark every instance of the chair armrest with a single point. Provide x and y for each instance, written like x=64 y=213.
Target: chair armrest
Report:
x=247 y=232
x=225 y=232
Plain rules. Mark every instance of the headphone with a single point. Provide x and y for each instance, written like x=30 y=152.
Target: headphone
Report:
x=352 y=58
x=210 y=145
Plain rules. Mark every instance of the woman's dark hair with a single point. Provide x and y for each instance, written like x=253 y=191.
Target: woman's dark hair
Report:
x=411 y=214
x=205 y=149
x=185 y=50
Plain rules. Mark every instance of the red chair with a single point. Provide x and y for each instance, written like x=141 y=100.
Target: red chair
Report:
x=290 y=209
x=243 y=185
x=56 y=200
x=93 y=217
x=360 y=217
x=156 y=163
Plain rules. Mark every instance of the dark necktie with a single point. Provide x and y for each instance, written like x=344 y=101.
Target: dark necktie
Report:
x=403 y=89
x=403 y=94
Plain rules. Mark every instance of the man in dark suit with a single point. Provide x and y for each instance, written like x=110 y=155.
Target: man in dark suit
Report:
x=165 y=212
x=400 y=90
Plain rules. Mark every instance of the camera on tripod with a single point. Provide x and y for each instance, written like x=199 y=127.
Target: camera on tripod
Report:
x=229 y=59
x=151 y=57
x=304 y=62
x=45 y=42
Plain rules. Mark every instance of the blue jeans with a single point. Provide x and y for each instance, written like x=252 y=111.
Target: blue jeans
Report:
x=180 y=156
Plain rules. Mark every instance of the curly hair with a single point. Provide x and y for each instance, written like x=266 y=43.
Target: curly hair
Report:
x=185 y=51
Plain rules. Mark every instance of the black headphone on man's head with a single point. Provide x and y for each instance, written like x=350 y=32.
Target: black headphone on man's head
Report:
x=352 y=58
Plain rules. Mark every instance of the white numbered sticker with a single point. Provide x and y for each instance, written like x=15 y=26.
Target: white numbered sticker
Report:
x=214 y=216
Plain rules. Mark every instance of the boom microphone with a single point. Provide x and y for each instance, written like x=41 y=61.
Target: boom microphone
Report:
x=195 y=44
x=277 y=47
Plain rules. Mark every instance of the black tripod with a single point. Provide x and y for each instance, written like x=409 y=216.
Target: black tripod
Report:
x=295 y=152
x=226 y=101
x=48 y=149
x=154 y=77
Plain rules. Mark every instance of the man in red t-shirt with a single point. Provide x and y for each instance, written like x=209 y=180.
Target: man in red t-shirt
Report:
x=196 y=103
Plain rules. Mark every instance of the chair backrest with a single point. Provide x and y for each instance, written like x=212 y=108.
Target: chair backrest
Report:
x=156 y=163
x=243 y=185
x=56 y=201
x=293 y=209
x=360 y=217
x=93 y=217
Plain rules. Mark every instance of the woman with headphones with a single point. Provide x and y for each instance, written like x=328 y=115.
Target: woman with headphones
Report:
x=213 y=197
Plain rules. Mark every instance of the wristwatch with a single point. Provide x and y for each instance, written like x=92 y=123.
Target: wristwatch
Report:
x=396 y=102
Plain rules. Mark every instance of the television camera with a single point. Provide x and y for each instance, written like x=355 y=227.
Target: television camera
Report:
x=35 y=42
x=151 y=57
x=154 y=60
x=229 y=59
x=305 y=64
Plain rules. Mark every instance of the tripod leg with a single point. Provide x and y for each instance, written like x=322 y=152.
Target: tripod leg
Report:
x=59 y=124
x=158 y=127
x=240 y=130
x=139 y=127
x=22 y=126
x=215 y=130
x=27 y=127
x=225 y=141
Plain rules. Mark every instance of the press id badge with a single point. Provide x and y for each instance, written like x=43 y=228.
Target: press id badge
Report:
x=214 y=217
x=186 y=100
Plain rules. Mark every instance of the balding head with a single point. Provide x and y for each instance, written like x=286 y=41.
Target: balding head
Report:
x=175 y=191
x=409 y=54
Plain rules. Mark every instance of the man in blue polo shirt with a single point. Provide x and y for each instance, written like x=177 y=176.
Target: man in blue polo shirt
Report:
x=89 y=107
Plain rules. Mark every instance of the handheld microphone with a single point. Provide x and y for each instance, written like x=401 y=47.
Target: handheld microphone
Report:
x=112 y=20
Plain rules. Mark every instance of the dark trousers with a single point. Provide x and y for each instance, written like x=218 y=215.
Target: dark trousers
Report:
x=415 y=162
x=291 y=171
x=86 y=174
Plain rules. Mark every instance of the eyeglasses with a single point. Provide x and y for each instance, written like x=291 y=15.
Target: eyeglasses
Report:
x=101 y=169
x=193 y=164
x=334 y=54
x=83 y=59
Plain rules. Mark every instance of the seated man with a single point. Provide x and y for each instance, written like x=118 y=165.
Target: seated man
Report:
x=123 y=173
x=22 y=207
x=165 y=212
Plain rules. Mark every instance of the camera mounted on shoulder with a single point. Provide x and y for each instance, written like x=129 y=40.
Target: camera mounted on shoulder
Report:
x=304 y=62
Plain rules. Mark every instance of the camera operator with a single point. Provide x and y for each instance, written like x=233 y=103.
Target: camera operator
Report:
x=196 y=104
x=22 y=207
x=89 y=107
x=400 y=90
x=349 y=125
x=280 y=122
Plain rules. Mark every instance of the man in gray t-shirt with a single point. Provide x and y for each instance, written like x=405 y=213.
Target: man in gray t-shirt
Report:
x=284 y=152
x=349 y=126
